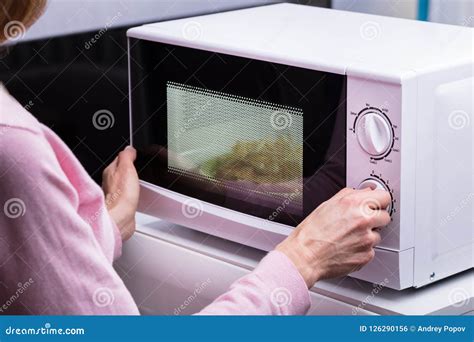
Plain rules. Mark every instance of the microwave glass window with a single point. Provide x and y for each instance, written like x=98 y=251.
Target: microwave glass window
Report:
x=250 y=150
x=261 y=138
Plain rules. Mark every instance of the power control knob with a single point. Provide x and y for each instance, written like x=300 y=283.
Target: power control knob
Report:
x=374 y=133
x=375 y=184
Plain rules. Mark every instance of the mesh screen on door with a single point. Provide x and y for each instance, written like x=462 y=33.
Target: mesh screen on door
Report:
x=241 y=144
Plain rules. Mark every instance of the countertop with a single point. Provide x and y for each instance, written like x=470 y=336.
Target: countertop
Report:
x=450 y=296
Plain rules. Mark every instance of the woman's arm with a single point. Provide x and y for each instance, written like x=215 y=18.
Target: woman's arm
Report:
x=64 y=257
x=275 y=287
x=334 y=240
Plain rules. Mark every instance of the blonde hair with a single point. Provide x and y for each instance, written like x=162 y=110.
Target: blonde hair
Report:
x=17 y=15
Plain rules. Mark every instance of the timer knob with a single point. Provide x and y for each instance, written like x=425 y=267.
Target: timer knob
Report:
x=375 y=184
x=374 y=133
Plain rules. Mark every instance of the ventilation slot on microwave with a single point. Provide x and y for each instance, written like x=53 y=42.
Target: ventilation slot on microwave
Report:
x=248 y=148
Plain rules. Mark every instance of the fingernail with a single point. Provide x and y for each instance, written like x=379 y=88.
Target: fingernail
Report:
x=129 y=147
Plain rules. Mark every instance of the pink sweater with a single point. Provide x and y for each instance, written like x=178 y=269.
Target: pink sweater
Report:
x=58 y=242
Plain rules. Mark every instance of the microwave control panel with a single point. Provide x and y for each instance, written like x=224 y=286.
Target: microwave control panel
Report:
x=373 y=145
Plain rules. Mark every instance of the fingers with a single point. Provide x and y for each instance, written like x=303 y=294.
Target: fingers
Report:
x=349 y=191
x=342 y=193
x=375 y=199
x=127 y=156
x=367 y=207
x=380 y=218
x=111 y=167
x=373 y=206
x=376 y=238
x=378 y=199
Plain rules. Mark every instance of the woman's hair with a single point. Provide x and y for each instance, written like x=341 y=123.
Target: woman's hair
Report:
x=18 y=11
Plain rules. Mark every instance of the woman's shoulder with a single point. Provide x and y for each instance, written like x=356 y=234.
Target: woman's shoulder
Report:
x=14 y=116
x=21 y=135
x=29 y=167
x=23 y=153
x=22 y=142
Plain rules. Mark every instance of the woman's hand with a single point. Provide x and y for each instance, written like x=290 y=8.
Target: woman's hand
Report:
x=338 y=237
x=121 y=188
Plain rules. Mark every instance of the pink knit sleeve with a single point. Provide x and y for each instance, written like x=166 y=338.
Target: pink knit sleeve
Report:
x=47 y=250
x=275 y=287
x=117 y=241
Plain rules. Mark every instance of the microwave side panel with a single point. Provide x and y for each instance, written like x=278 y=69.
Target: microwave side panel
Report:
x=374 y=103
x=444 y=174
x=393 y=263
x=409 y=98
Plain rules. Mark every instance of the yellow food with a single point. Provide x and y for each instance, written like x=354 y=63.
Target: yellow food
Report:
x=261 y=161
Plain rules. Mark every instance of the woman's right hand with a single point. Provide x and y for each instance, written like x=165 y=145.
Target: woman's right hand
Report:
x=338 y=237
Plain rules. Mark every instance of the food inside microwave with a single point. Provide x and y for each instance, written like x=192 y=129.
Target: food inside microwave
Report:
x=263 y=161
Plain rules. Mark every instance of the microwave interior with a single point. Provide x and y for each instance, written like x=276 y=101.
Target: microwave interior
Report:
x=260 y=138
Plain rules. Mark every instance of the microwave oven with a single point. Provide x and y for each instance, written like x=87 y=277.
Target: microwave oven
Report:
x=245 y=121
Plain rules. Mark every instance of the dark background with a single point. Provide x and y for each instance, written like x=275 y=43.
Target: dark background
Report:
x=63 y=84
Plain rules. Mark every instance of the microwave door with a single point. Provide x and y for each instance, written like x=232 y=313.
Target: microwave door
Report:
x=330 y=177
x=247 y=135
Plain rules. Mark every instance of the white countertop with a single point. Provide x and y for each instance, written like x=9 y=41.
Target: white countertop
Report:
x=451 y=296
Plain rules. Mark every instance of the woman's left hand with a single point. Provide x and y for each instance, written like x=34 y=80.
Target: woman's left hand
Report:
x=121 y=189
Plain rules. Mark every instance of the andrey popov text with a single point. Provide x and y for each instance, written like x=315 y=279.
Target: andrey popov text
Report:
x=438 y=329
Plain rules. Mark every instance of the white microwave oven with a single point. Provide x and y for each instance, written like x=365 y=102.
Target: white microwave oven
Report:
x=246 y=121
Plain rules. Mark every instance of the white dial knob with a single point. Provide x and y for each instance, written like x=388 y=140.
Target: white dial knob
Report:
x=375 y=184
x=374 y=133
